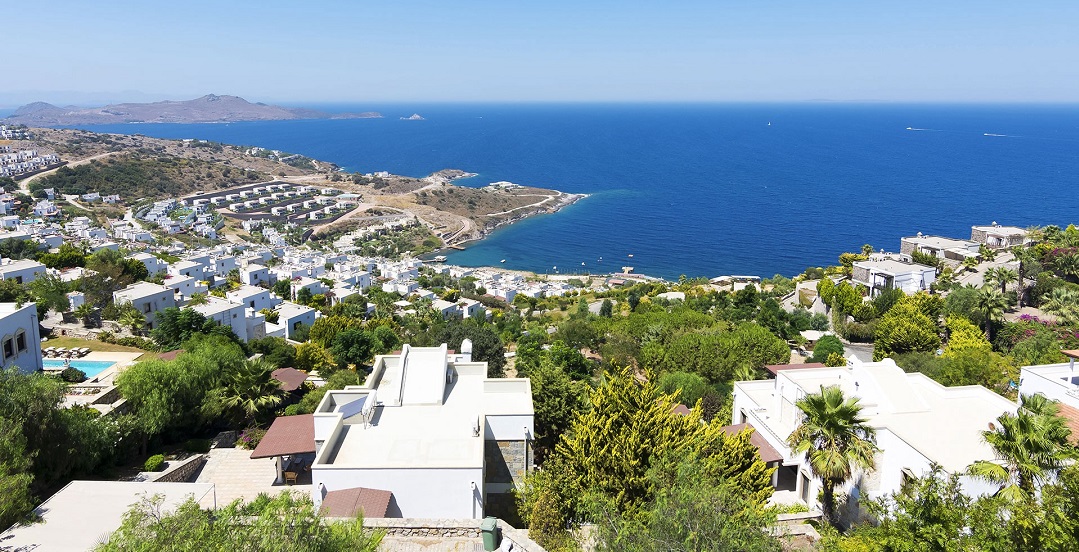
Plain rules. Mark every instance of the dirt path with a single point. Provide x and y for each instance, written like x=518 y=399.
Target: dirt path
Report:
x=24 y=185
x=536 y=204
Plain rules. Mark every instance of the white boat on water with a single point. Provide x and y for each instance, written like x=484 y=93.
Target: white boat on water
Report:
x=439 y=259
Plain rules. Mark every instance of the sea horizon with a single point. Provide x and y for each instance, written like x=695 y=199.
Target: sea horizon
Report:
x=705 y=189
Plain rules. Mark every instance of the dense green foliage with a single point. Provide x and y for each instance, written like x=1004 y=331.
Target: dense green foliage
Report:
x=691 y=511
x=285 y=522
x=630 y=428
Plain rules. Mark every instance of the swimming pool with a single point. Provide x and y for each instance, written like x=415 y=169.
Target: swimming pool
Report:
x=90 y=367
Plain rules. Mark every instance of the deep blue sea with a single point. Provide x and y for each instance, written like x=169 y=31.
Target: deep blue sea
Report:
x=711 y=189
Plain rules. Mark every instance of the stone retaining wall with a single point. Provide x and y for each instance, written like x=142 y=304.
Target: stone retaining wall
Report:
x=450 y=528
x=180 y=472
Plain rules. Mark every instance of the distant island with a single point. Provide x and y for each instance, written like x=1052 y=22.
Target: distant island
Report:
x=414 y=117
x=207 y=109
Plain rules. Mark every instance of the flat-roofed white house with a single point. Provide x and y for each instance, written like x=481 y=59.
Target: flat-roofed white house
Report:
x=999 y=237
x=147 y=297
x=253 y=297
x=291 y=316
x=888 y=273
x=939 y=246
x=23 y=271
x=254 y=274
x=153 y=264
x=225 y=313
x=20 y=338
x=193 y=269
x=184 y=287
x=918 y=422
x=429 y=426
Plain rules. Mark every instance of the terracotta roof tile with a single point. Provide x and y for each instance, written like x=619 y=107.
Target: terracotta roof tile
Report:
x=291 y=379
x=373 y=503
x=768 y=454
x=1071 y=414
x=287 y=435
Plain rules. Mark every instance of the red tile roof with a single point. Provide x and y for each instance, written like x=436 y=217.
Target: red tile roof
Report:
x=768 y=454
x=680 y=409
x=775 y=368
x=287 y=435
x=1071 y=414
x=372 y=503
x=291 y=379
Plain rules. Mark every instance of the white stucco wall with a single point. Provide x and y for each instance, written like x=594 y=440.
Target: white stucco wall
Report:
x=508 y=428
x=420 y=493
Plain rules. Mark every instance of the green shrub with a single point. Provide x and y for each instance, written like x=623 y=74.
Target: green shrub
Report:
x=197 y=445
x=797 y=508
x=250 y=438
x=154 y=463
x=73 y=375
x=293 y=409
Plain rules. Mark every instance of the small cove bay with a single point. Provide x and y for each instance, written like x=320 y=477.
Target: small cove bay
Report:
x=709 y=189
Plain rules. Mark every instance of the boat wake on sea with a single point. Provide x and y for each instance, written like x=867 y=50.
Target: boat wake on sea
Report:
x=996 y=135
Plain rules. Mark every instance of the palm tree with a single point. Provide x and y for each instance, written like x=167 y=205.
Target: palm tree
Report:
x=970 y=263
x=85 y=312
x=746 y=372
x=1064 y=303
x=1026 y=257
x=1031 y=445
x=835 y=439
x=987 y=253
x=250 y=390
x=1000 y=275
x=991 y=305
x=1068 y=265
x=132 y=319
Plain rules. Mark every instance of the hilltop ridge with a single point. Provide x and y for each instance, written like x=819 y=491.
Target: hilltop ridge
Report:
x=210 y=108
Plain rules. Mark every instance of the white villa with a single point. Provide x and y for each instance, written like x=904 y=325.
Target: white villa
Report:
x=879 y=274
x=939 y=246
x=429 y=427
x=918 y=422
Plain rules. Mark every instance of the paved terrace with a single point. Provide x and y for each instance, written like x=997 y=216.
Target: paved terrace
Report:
x=235 y=475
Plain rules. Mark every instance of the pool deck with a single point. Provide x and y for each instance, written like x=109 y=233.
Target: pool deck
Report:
x=122 y=360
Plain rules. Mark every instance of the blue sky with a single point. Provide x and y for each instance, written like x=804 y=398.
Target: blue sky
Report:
x=430 y=51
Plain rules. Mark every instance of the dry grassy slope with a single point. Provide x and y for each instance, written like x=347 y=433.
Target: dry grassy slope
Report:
x=138 y=176
x=73 y=145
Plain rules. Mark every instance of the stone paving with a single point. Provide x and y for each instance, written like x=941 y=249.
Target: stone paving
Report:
x=430 y=544
x=235 y=475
